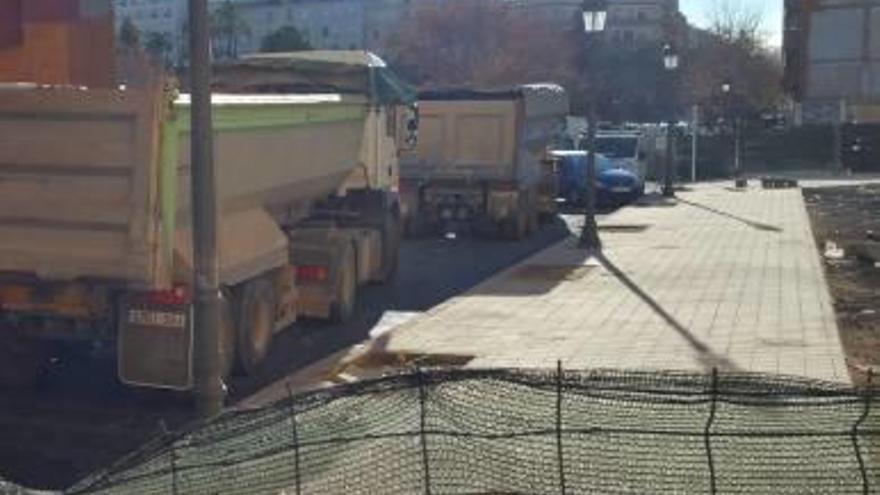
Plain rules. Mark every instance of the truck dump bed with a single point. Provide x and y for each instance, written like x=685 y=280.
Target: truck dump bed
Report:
x=485 y=135
x=77 y=183
x=95 y=184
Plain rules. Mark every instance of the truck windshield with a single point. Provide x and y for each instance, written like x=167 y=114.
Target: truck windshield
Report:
x=617 y=147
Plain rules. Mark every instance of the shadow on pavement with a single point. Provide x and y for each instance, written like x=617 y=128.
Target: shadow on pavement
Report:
x=708 y=358
x=432 y=270
x=750 y=223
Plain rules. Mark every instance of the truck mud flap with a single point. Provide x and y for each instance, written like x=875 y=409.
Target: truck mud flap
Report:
x=155 y=346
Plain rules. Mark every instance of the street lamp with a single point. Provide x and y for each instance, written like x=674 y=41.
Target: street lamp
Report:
x=670 y=63
x=670 y=58
x=594 y=14
x=727 y=90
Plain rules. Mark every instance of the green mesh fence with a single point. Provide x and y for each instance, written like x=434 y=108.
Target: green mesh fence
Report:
x=535 y=432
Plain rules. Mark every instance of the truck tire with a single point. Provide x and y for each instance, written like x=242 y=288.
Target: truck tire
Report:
x=345 y=288
x=391 y=236
x=227 y=336
x=517 y=227
x=254 y=323
x=21 y=361
x=531 y=216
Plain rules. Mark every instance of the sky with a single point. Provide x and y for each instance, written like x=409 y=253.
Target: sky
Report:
x=699 y=12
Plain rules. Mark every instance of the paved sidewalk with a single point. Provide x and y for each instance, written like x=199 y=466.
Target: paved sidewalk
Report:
x=722 y=279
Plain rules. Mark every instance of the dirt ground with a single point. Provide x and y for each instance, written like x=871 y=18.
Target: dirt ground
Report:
x=849 y=217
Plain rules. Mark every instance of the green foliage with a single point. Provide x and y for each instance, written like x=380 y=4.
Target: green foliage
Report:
x=160 y=47
x=286 y=39
x=227 y=28
x=129 y=34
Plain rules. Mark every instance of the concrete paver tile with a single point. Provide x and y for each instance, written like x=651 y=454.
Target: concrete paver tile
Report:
x=701 y=285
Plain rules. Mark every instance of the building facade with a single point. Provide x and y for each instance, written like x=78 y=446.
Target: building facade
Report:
x=50 y=42
x=629 y=23
x=832 y=59
x=166 y=18
x=371 y=24
x=641 y=22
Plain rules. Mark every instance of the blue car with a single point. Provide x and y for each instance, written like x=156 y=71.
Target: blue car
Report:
x=614 y=185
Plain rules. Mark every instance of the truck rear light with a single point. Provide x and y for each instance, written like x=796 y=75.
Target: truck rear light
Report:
x=313 y=273
x=506 y=186
x=179 y=295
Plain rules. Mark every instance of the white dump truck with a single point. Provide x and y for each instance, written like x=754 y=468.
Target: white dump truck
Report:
x=95 y=239
x=482 y=159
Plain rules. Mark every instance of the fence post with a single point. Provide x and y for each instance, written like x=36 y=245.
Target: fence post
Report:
x=295 y=434
x=866 y=411
x=422 y=434
x=173 y=457
x=559 y=451
x=707 y=432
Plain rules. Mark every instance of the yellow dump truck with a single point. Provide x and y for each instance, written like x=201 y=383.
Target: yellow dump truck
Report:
x=95 y=239
x=482 y=162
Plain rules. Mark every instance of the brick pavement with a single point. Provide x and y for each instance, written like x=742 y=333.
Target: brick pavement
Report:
x=721 y=279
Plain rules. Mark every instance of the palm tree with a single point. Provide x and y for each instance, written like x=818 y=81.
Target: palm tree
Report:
x=129 y=35
x=159 y=45
x=286 y=39
x=227 y=27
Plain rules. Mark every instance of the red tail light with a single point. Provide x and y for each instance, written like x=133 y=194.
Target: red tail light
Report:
x=505 y=186
x=179 y=295
x=311 y=273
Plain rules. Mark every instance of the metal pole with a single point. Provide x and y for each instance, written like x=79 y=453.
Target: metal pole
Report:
x=668 y=188
x=737 y=158
x=695 y=133
x=590 y=232
x=209 y=388
x=838 y=139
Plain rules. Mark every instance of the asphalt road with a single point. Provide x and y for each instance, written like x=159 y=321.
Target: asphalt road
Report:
x=78 y=418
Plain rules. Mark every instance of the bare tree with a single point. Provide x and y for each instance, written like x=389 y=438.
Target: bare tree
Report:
x=482 y=43
x=734 y=51
x=735 y=22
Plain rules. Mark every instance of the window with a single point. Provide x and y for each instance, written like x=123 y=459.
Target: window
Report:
x=325 y=31
x=641 y=16
x=628 y=37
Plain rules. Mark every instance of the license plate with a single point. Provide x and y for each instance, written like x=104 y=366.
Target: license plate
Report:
x=162 y=319
x=620 y=189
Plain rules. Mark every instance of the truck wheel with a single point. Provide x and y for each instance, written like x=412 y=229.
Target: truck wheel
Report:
x=531 y=218
x=391 y=235
x=21 y=361
x=254 y=323
x=227 y=336
x=516 y=228
x=345 y=289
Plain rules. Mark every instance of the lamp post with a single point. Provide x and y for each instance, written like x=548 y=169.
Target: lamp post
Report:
x=594 y=15
x=727 y=90
x=670 y=64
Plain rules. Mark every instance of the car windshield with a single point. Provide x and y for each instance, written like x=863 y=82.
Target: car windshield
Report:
x=617 y=147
